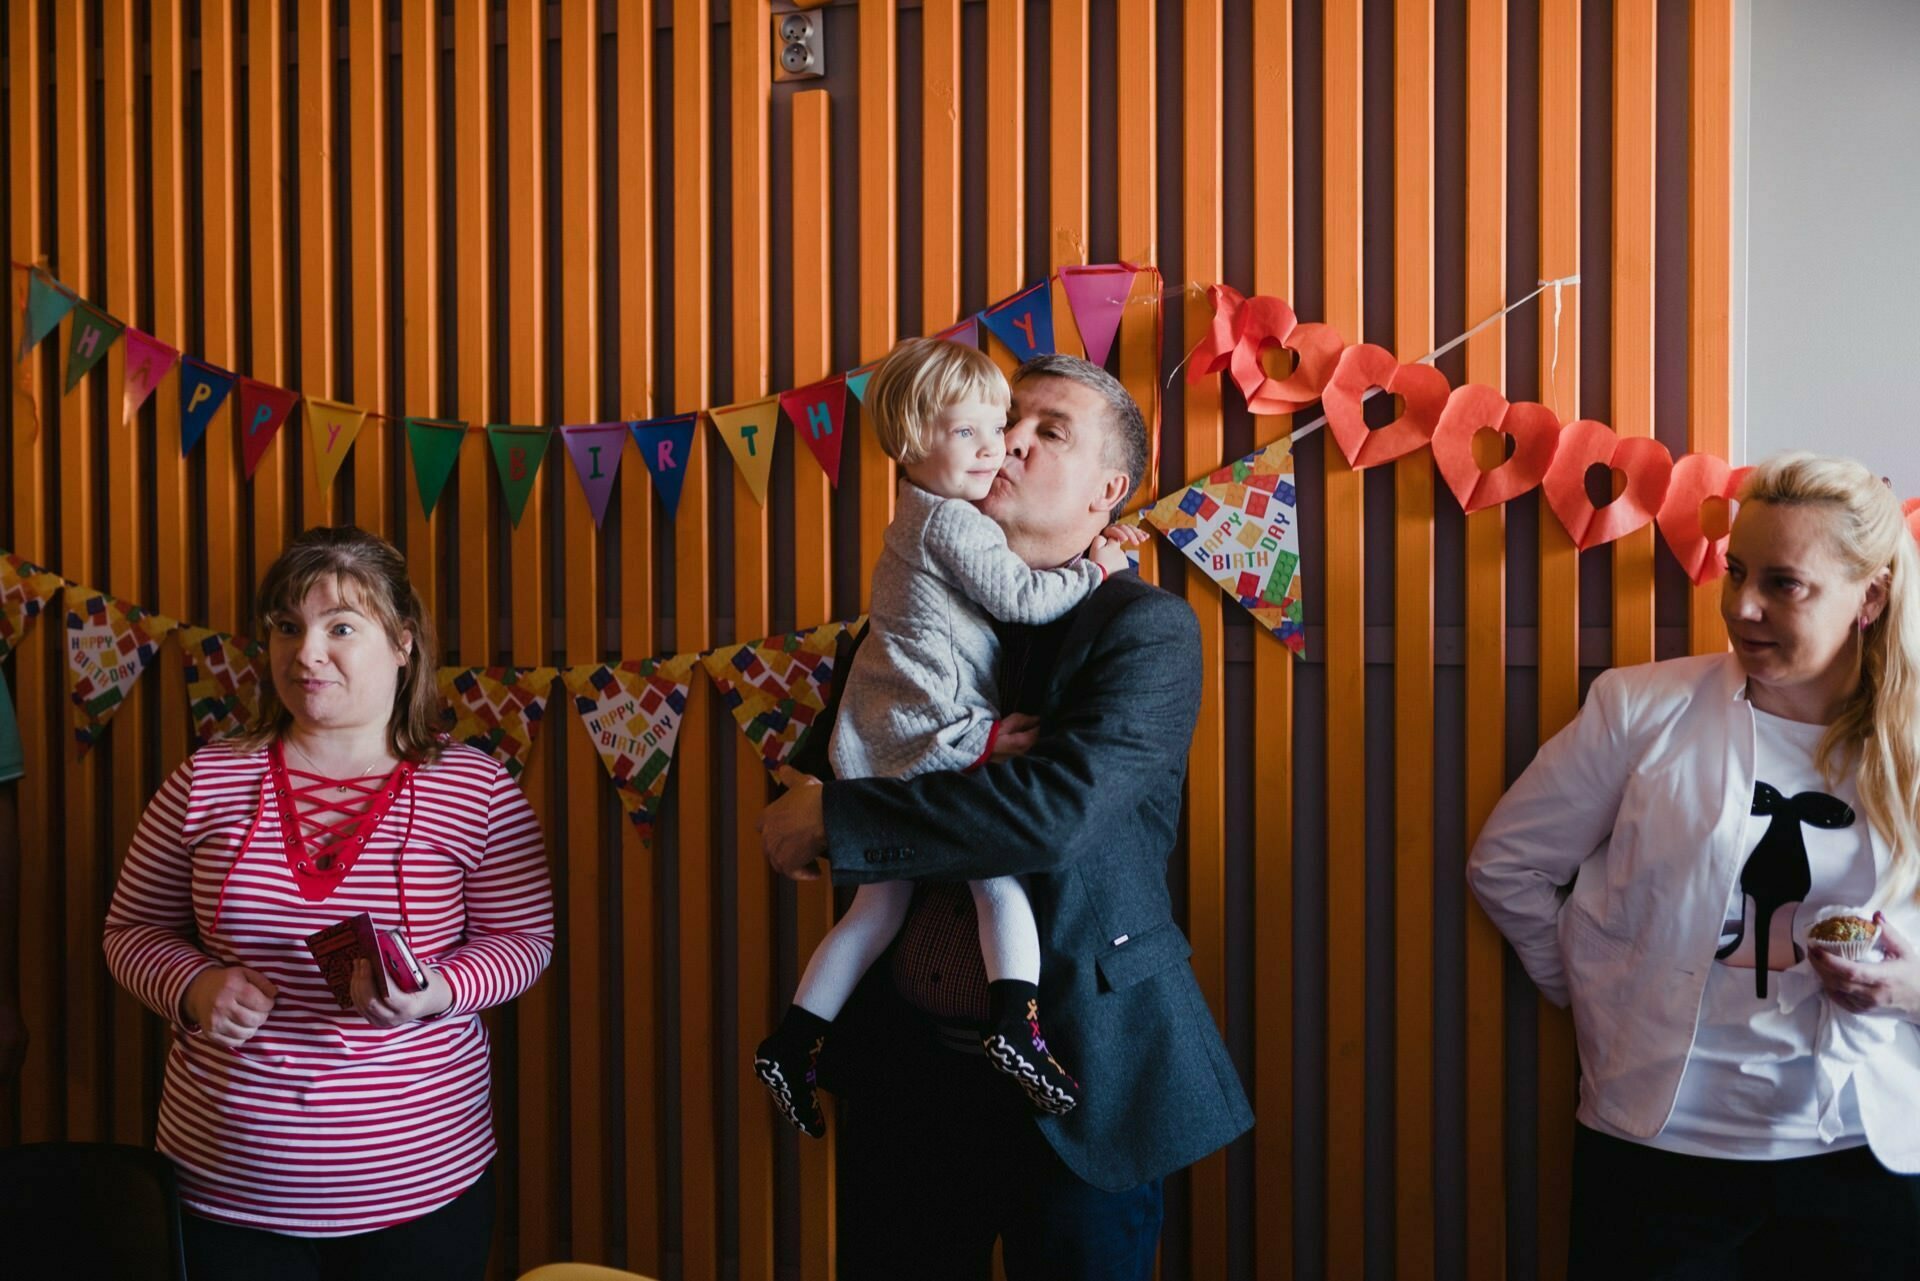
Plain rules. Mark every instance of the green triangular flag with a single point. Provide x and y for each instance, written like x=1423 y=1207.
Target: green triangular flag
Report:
x=47 y=306
x=93 y=332
x=436 y=448
x=517 y=452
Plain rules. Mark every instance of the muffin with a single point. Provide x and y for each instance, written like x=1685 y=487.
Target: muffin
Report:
x=1845 y=934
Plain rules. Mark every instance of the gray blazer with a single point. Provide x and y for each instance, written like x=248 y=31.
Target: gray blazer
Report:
x=1089 y=818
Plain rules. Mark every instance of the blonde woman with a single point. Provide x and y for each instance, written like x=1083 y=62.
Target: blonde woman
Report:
x=314 y=1141
x=1748 y=1106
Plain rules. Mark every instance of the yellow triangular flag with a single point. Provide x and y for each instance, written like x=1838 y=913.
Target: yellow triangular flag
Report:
x=748 y=431
x=331 y=427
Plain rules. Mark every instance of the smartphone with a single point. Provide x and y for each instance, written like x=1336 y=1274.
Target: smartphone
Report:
x=401 y=964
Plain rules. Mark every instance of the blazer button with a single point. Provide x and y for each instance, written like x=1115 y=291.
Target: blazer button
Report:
x=873 y=856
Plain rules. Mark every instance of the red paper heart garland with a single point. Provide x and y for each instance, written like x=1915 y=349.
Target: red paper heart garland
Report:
x=1422 y=390
x=1645 y=462
x=1535 y=431
x=1696 y=479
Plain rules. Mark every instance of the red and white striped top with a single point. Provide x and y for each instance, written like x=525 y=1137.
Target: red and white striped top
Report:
x=322 y=1124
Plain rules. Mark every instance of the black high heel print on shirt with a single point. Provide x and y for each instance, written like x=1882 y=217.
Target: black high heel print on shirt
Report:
x=1777 y=873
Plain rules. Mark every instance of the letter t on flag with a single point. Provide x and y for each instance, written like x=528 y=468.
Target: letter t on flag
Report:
x=749 y=432
x=817 y=413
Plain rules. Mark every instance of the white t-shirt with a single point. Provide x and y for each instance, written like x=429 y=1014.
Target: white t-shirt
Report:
x=1748 y=1091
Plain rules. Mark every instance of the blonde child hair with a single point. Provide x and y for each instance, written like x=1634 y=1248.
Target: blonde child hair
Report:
x=917 y=381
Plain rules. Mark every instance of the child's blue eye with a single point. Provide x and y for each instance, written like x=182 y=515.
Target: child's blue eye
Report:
x=963 y=432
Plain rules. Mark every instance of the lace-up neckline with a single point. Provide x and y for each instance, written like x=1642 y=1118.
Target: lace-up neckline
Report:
x=324 y=836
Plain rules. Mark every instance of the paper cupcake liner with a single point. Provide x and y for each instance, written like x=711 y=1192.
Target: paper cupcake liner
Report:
x=1866 y=949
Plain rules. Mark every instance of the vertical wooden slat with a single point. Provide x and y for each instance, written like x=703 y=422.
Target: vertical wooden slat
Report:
x=1635 y=23
x=474 y=284
x=692 y=355
x=813 y=566
x=126 y=576
x=266 y=303
x=367 y=71
x=1345 y=665
x=1486 y=635
x=41 y=1106
x=752 y=607
x=80 y=560
x=1710 y=269
x=879 y=257
x=1206 y=765
x=420 y=88
x=220 y=313
x=1273 y=961
x=940 y=144
x=579 y=235
x=1136 y=115
x=1067 y=199
x=1006 y=150
x=1413 y=658
x=319 y=361
x=1559 y=621
x=536 y=1016
x=639 y=909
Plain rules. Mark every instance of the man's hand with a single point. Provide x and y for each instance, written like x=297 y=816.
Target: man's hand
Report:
x=793 y=830
x=1890 y=987
x=1016 y=736
x=398 y=1007
x=229 y=1003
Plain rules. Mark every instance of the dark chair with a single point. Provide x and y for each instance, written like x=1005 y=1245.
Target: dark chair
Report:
x=89 y=1210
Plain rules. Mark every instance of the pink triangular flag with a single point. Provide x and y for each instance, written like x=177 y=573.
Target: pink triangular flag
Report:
x=148 y=361
x=1098 y=294
x=595 y=449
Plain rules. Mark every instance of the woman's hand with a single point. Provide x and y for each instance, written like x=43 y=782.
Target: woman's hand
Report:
x=1890 y=987
x=229 y=1003
x=399 y=1007
x=1015 y=736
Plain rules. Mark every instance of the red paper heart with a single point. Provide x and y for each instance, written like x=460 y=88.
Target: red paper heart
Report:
x=1697 y=478
x=1422 y=388
x=1242 y=328
x=1912 y=508
x=1535 y=431
x=1646 y=463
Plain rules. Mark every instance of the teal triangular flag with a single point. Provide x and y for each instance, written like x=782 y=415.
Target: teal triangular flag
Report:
x=857 y=381
x=93 y=332
x=47 y=305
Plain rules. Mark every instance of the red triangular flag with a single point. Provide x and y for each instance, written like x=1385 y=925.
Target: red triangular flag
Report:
x=817 y=413
x=263 y=407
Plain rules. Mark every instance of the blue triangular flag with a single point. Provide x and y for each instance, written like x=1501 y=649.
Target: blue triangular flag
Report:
x=203 y=389
x=1024 y=322
x=664 y=444
x=857 y=380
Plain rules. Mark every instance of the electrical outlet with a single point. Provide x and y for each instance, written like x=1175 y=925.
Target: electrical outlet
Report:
x=799 y=46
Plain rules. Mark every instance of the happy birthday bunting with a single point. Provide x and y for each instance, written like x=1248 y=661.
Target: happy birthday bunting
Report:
x=263 y=407
x=331 y=429
x=1024 y=322
x=46 y=306
x=595 y=451
x=632 y=712
x=517 y=454
x=817 y=413
x=224 y=675
x=109 y=644
x=1240 y=525
x=777 y=687
x=93 y=332
x=1097 y=295
x=203 y=389
x=857 y=381
x=497 y=710
x=25 y=589
x=966 y=333
x=748 y=430
x=664 y=443
x=435 y=446
x=148 y=361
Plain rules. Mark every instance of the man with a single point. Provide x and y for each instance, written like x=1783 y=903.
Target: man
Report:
x=939 y=1153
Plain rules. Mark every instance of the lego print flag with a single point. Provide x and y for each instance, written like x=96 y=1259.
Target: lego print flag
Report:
x=817 y=413
x=224 y=675
x=749 y=432
x=664 y=443
x=1024 y=322
x=25 y=589
x=263 y=407
x=1240 y=525
x=777 y=687
x=109 y=645
x=498 y=710
x=632 y=712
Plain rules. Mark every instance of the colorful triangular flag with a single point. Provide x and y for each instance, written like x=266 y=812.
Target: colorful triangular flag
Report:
x=331 y=429
x=263 y=407
x=94 y=331
x=817 y=413
x=25 y=589
x=632 y=713
x=1024 y=322
x=664 y=443
x=776 y=687
x=224 y=675
x=497 y=709
x=749 y=432
x=435 y=445
x=857 y=380
x=517 y=454
x=47 y=304
x=148 y=361
x=966 y=333
x=1097 y=296
x=109 y=644
x=1241 y=525
x=595 y=449
x=203 y=389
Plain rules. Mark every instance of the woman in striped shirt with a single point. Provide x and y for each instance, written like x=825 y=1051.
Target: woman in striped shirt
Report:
x=314 y=1141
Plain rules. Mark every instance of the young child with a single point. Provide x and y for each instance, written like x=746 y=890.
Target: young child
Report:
x=921 y=697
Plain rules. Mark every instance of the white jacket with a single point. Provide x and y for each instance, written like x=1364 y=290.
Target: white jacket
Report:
x=1644 y=799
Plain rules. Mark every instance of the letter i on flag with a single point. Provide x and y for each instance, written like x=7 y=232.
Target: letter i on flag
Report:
x=816 y=413
x=148 y=361
x=749 y=432
x=1024 y=322
x=331 y=429
x=595 y=449
x=664 y=443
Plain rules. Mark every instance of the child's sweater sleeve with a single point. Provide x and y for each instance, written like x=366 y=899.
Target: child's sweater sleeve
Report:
x=970 y=551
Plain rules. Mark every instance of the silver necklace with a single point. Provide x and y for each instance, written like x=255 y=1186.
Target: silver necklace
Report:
x=319 y=773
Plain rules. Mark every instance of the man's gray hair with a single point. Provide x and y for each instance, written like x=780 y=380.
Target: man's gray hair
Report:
x=1127 y=442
